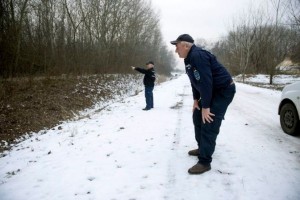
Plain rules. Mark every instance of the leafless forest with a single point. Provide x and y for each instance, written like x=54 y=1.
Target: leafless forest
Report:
x=57 y=37
x=259 y=39
x=79 y=36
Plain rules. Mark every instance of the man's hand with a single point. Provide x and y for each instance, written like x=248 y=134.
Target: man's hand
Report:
x=206 y=115
x=195 y=105
x=132 y=67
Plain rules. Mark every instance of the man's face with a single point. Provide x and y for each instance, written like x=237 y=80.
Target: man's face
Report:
x=149 y=66
x=182 y=50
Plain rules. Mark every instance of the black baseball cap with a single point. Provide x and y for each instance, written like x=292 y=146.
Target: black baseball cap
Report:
x=150 y=62
x=183 y=37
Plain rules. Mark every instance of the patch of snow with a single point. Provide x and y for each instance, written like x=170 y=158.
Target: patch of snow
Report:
x=124 y=152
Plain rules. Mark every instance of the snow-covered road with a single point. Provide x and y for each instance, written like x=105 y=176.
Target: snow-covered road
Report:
x=123 y=152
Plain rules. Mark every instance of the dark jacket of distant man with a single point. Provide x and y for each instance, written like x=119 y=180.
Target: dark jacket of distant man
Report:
x=149 y=80
x=149 y=77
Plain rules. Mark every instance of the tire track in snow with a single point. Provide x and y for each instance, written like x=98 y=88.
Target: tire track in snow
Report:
x=248 y=104
x=176 y=143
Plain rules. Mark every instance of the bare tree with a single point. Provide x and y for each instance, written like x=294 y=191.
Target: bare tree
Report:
x=259 y=41
x=294 y=22
x=65 y=36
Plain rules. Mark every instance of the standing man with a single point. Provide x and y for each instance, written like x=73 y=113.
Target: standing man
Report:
x=213 y=90
x=148 y=81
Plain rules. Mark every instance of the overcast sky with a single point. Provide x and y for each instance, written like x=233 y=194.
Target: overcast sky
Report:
x=208 y=19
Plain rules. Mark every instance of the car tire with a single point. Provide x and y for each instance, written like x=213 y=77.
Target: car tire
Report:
x=289 y=119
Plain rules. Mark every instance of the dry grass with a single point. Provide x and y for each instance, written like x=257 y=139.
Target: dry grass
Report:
x=29 y=105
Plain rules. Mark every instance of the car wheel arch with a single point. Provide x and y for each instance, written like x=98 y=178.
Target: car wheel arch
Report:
x=292 y=128
x=283 y=102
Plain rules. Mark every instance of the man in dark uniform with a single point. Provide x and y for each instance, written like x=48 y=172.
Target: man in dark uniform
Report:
x=148 y=81
x=213 y=90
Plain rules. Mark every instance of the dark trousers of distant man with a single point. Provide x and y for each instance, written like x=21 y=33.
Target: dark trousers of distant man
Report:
x=206 y=134
x=149 y=97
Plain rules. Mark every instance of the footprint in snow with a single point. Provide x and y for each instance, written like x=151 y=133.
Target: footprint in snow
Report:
x=91 y=178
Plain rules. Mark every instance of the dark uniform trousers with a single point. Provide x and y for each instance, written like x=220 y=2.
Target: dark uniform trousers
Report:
x=206 y=134
x=149 y=97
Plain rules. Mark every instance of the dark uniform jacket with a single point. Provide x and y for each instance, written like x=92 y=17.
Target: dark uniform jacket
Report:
x=149 y=77
x=206 y=74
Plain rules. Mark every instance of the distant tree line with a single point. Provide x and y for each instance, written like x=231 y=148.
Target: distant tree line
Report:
x=79 y=36
x=259 y=41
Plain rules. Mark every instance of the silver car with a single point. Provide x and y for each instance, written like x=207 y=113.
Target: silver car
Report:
x=289 y=109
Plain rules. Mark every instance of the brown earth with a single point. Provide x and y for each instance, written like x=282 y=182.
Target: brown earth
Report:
x=32 y=104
